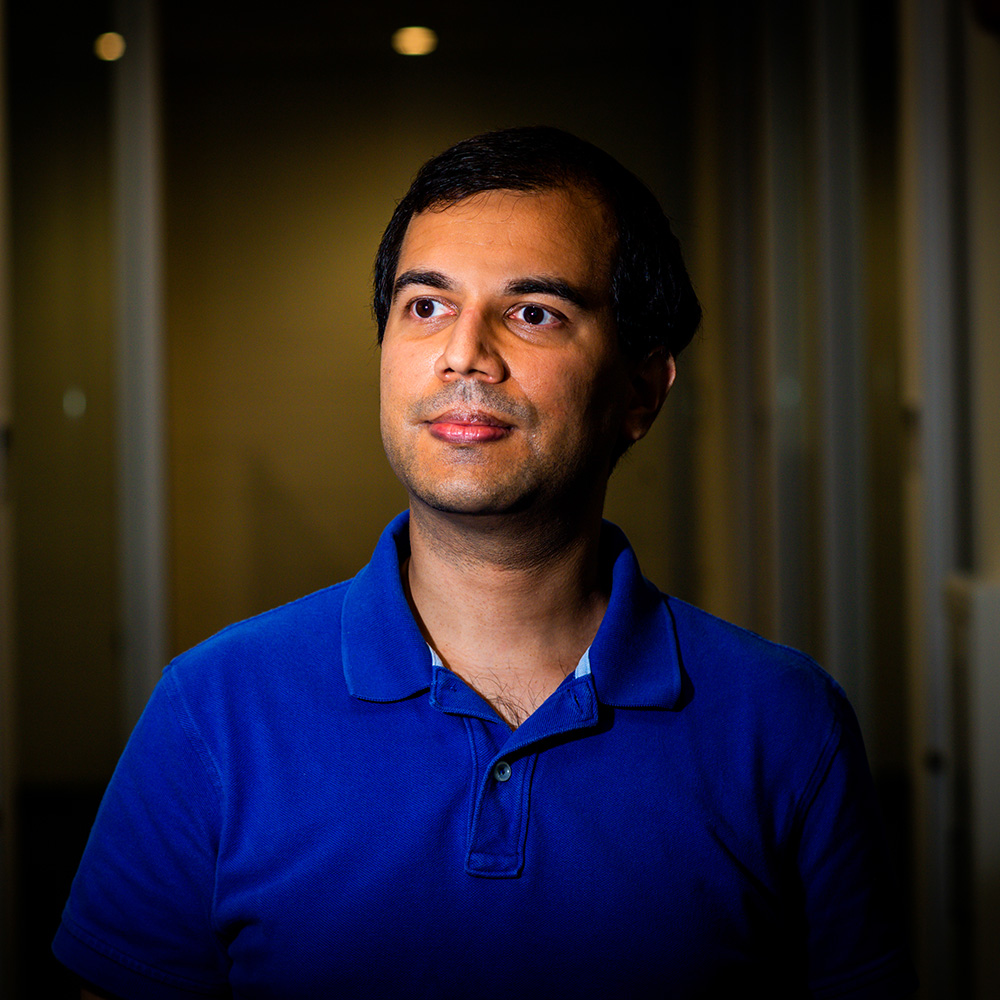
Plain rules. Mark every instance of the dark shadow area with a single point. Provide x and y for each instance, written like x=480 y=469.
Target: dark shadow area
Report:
x=54 y=823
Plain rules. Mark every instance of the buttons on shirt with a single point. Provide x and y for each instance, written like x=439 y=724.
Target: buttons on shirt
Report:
x=501 y=771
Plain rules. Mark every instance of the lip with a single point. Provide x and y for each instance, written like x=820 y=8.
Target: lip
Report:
x=461 y=426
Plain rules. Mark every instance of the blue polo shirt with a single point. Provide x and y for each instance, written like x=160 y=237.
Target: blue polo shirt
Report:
x=311 y=807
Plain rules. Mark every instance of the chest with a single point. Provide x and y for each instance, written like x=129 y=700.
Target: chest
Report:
x=584 y=858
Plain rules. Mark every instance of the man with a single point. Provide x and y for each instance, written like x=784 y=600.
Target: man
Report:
x=497 y=762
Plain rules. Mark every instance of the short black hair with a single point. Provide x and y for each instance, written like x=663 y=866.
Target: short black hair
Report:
x=653 y=302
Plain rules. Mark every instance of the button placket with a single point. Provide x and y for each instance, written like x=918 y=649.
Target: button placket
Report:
x=498 y=822
x=497 y=836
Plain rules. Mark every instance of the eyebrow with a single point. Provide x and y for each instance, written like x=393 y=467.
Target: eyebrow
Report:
x=517 y=286
x=547 y=286
x=432 y=279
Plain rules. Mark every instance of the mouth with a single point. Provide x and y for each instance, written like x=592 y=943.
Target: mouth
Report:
x=467 y=426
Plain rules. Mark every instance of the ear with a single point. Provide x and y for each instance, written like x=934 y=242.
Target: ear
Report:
x=649 y=382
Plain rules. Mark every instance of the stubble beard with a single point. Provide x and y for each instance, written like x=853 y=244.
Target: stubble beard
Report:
x=465 y=492
x=472 y=486
x=468 y=480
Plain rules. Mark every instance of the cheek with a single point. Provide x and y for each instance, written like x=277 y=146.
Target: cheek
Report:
x=391 y=403
x=392 y=376
x=403 y=363
x=581 y=391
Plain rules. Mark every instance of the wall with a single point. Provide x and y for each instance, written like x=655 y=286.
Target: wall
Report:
x=282 y=170
x=61 y=462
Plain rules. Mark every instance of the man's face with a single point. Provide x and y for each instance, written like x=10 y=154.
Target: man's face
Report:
x=502 y=382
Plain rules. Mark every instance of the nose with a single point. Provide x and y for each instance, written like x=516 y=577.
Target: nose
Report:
x=470 y=351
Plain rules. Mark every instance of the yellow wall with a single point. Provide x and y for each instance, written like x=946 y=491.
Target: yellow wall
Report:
x=62 y=466
x=278 y=187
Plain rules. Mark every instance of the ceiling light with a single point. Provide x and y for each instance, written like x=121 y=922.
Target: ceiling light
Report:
x=414 y=41
x=109 y=46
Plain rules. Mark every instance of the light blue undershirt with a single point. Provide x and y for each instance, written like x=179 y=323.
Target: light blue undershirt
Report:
x=582 y=668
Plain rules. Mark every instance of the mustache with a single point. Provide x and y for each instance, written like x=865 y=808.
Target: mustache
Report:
x=471 y=395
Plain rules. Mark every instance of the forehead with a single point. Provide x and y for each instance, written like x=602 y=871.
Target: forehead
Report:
x=564 y=232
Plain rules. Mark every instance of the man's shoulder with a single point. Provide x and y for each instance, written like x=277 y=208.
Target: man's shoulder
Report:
x=766 y=714
x=311 y=625
x=717 y=653
x=714 y=633
x=302 y=631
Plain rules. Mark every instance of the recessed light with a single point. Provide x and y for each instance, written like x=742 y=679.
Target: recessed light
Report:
x=414 y=41
x=109 y=46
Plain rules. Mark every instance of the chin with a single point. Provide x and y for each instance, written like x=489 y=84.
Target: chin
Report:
x=483 y=496
x=479 y=506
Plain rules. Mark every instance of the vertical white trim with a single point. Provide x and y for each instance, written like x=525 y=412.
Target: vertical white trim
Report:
x=141 y=464
x=753 y=541
x=841 y=384
x=929 y=337
x=981 y=58
x=976 y=598
x=786 y=273
x=777 y=365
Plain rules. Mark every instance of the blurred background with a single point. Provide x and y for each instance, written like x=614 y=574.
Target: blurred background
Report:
x=189 y=207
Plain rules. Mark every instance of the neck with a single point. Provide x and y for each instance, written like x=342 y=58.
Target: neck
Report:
x=509 y=605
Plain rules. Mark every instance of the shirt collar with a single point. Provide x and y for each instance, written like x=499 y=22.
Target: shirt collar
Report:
x=633 y=658
x=384 y=654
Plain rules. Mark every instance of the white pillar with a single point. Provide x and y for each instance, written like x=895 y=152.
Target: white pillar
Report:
x=931 y=335
x=141 y=444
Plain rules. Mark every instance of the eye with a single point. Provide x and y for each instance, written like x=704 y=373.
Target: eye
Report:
x=535 y=315
x=426 y=308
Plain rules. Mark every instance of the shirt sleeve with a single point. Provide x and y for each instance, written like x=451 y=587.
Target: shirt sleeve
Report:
x=139 y=922
x=854 y=931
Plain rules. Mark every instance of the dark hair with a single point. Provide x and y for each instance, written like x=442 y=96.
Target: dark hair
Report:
x=653 y=302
